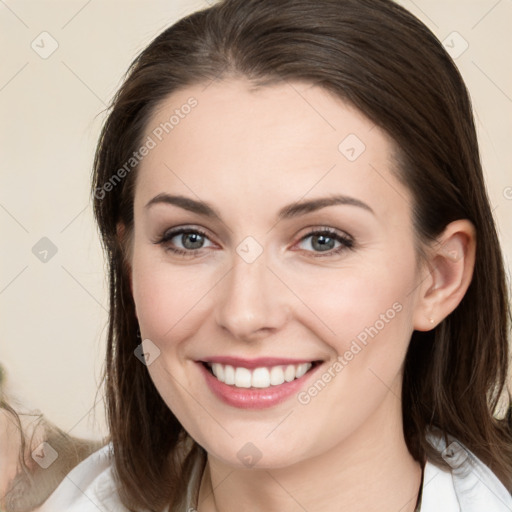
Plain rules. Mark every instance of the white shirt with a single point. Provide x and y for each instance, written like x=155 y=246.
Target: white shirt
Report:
x=469 y=486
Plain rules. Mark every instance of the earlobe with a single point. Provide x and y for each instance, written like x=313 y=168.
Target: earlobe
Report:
x=450 y=268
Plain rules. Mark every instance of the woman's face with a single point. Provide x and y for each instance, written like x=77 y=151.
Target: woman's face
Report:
x=272 y=278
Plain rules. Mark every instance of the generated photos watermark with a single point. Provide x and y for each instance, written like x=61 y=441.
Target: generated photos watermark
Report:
x=151 y=142
x=356 y=346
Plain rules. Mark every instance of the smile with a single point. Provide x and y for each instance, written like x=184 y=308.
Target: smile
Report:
x=256 y=383
x=261 y=377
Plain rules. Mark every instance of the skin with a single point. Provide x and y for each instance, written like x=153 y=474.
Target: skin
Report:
x=249 y=153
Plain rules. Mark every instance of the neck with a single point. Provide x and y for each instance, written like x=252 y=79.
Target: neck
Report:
x=370 y=471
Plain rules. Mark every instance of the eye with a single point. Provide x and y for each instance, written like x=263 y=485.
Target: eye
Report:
x=326 y=242
x=187 y=241
x=184 y=241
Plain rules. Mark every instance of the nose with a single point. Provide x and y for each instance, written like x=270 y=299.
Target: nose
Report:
x=252 y=301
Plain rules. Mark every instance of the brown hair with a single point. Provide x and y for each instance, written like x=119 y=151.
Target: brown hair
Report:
x=385 y=62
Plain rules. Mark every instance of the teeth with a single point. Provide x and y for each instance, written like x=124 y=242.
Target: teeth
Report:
x=302 y=369
x=276 y=375
x=243 y=378
x=229 y=375
x=218 y=370
x=259 y=377
x=289 y=373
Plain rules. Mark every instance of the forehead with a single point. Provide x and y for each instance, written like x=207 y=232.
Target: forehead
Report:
x=274 y=144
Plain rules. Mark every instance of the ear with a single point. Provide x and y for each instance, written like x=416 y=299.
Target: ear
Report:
x=449 y=271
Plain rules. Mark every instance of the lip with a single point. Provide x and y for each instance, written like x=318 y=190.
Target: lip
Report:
x=258 y=362
x=254 y=398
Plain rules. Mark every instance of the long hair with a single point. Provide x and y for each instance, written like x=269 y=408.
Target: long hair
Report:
x=379 y=58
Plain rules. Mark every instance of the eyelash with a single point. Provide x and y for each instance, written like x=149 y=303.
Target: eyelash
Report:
x=345 y=241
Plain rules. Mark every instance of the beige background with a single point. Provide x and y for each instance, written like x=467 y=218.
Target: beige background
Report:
x=53 y=313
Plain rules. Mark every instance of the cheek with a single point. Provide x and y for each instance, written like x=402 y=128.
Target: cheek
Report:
x=171 y=301
x=368 y=314
x=365 y=316
x=169 y=309
x=360 y=301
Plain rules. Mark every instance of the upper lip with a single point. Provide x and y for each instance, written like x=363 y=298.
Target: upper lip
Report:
x=257 y=362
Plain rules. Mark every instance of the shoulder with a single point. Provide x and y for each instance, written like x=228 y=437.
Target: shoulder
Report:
x=90 y=486
x=467 y=486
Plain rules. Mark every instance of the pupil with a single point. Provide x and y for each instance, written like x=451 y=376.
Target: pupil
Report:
x=194 y=238
x=325 y=242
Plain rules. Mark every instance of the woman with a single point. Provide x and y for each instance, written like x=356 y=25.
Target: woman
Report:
x=308 y=307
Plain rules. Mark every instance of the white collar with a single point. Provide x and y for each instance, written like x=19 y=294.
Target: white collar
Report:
x=467 y=486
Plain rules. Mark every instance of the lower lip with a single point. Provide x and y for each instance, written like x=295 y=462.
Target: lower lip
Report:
x=254 y=398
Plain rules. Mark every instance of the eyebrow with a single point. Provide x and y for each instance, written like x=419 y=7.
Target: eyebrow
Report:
x=290 y=211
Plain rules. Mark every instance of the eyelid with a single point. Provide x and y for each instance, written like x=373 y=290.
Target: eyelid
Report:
x=169 y=233
x=345 y=239
x=319 y=228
